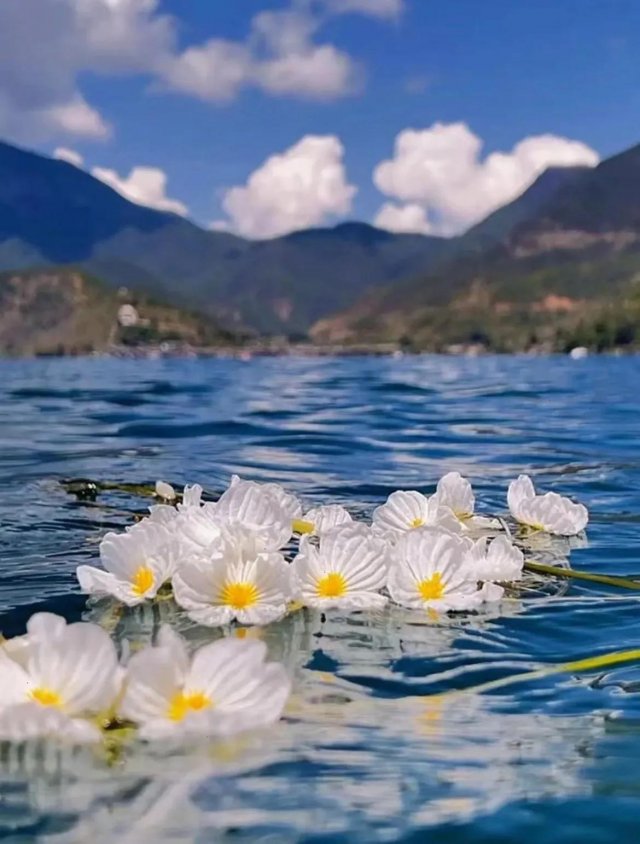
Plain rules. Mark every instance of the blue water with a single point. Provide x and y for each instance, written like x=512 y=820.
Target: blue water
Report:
x=366 y=753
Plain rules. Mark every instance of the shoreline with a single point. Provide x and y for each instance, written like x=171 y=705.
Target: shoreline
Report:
x=304 y=350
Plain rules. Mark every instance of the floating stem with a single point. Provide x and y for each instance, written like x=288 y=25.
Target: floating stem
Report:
x=574 y=574
x=590 y=663
x=84 y=488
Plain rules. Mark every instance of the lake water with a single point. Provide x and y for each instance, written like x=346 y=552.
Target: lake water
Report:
x=367 y=752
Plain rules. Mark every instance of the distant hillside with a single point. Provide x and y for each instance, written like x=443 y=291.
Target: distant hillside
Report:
x=53 y=213
x=569 y=270
x=498 y=225
x=604 y=199
x=64 y=311
x=279 y=285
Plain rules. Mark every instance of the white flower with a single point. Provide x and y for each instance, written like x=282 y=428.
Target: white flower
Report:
x=550 y=512
x=66 y=674
x=288 y=502
x=161 y=514
x=165 y=491
x=406 y=510
x=321 y=519
x=236 y=579
x=500 y=561
x=199 y=527
x=263 y=508
x=346 y=571
x=191 y=497
x=455 y=492
x=166 y=514
x=16 y=648
x=136 y=564
x=430 y=570
x=225 y=688
x=29 y=721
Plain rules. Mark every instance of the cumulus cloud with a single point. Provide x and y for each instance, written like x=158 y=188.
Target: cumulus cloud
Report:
x=441 y=170
x=47 y=45
x=77 y=118
x=68 y=155
x=214 y=71
x=144 y=185
x=279 y=57
x=322 y=73
x=410 y=218
x=300 y=187
x=72 y=118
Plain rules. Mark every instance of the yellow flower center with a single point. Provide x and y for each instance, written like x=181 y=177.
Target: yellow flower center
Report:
x=534 y=526
x=417 y=522
x=46 y=697
x=182 y=704
x=142 y=581
x=332 y=585
x=301 y=526
x=462 y=515
x=432 y=588
x=239 y=596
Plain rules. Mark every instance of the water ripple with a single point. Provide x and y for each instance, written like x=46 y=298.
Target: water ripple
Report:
x=384 y=739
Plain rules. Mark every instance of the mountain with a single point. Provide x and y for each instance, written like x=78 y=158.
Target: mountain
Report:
x=564 y=267
x=65 y=311
x=604 y=199
x=59 y=212
x=502 y=222
x=280 y=285
x=53 y=213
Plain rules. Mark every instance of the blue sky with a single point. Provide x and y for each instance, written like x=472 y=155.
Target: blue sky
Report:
x=507 y=69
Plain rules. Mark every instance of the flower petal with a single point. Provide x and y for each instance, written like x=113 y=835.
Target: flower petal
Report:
x=326 y=517
x=29 y=721
x=455 y=492
x=154 y=677
x=80 y=665
x=15 y=683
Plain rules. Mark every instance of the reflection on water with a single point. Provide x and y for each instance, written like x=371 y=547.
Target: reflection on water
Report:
x=384 y=738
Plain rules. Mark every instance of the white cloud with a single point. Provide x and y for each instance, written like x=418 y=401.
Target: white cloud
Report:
x=68 y=155
x=47 y=45
x=77 y=118
x=279 y=57
x=72 y=118
x=318 y=73
x=409 y=218
x=440 y=169
x=376 y=8
x=214 y=71
x=301 y=187
x=123 y=36
x=219 y=226
x=144 y=185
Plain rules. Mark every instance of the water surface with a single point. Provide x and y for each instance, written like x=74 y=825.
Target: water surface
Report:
x=367 y=752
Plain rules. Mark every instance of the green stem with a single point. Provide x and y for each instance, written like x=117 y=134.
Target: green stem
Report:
x=591 y=663
x=574 y=574
x=83 y=487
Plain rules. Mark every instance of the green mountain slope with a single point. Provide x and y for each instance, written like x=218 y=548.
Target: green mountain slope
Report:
x=567 y=269
x=65 y=311
x=53 y=213
x=279 y=285
x=499 y=224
